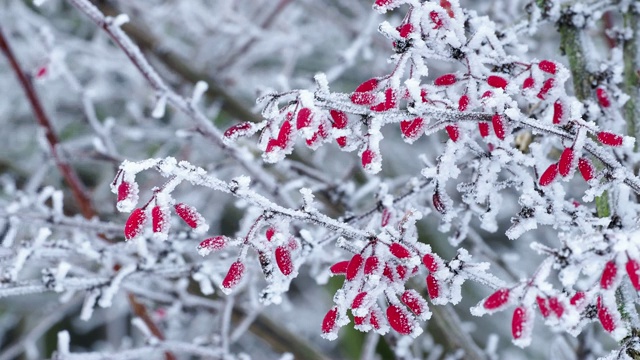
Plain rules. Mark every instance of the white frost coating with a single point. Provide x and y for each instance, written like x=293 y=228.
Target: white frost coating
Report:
x=63 y=342
x=160 y=107
x=203 y=280
x=61 y=273
x=89 y=304
x=199 y=90
x=110 y=291
x=120 y=20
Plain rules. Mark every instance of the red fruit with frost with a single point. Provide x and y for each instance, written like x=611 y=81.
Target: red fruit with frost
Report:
x=405 y=30
x=354 y=266
x=215 y=243
x=632 y=270
x=433 y=287
x=487 y=94
x=401 y=270
x=577 y=298
x=414 y=302
x=565 y=162
x=556 y=306
x=542 y=305
x=367 y=157
x=483 y=127
x=270 y=232
x=498 y=126
x=339 y=268
x=605 y=316
x=234 y=275
x=497 y=81
x=368 y=85
x=412 y=129
x=329 y=321
x=188 y=214
x=359 y=320
x=283 y=259
x=388 y=103
x=386 y=216
x=446 y=80
x=608 y=274
x=528 y=83
x=159 y=219
x=609 y=139
x=447 y=6
x=339 y=118
x=546 y=86
x=399 y=251
x=237 y=130
x=358 y=300
x=371 y=265
x=124 y=190
x=547 y=66
x=430 y=262
x=399 y=320
x=435 y=18
x=549 y=175
x=603 y=98
x=304 y=118
x=496 y=300
x=135 y=223
x=518 y=322
x=374 y=321
x=453 y=132
x=586 y=169
x=423 y=95
x=463 y=103
x=557 y=112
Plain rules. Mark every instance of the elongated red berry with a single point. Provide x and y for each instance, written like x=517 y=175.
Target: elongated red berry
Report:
x=283 y=259
x=497 y=81
x=528 y=83
x=371 y=265
x=453 y=132
x=367 y=157
x=518 y=322
x=412 y=129
x=304 y=118
x=577 y=298
x=284 y=134
x=609 y=139
x=388 y=103
x=608 y=274
x=445 y=80
x=135 y=223
x=447 y=6
x=498 y=126
x=546 y=86
x=496 y=300
x=603 y=98
x=368 y=85
x=556 y=306
x=435 y=18
x=542 y=305
x=385 y=217
x=565 y=162
x=632 y=270
x=234 y=275
x=400 y=251
x=358 y=300
x=373 y=319
x=463 y=103
x=433 y=287
x=557 y=112
x=547 y=66
x=483 y=127
x=549 y=175
x=329 y=321
x=340 y=119
x=339 y=267
x=399 y=320
x=215 y=243
x=354 y=266
x=430 y=262
x=586 y=168
x=124 y=190
x=605 y=316
x=159 y=219
x=414 y=302
x=405 y=30
x=270 y=232
x=237 y=130
x=188 y=214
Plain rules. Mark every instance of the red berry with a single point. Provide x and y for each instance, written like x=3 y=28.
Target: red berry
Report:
x=547 y=66
x=367 y=86
x=445 y=80
x=134 y=224
x=329 y=321
x=237 y=130
x=433 y=288
x=354 y=266
x=304 y=118
x=608 y=274
x=270 y=232
x=603 y=98
x=497 y=299
x=577 y=298
x=605 y=317
x=386 y=216
x=399 y=320
x=388 y=103
x=463 y=102
x=556 y=306
x=497 y=81
x=283 y=259
x=546 y=86
x=213 y=244
x=557 y=112
x=339 y=267
x=233 y=277
x=483 y=127
x=340 y=119
x=565 y=162
x=371 y=265
x=528 y=83
x=549 y=175
x=542 y=305
x=435 y=18
x=367 y=157
x=498 y=126
x=423 y=95
x=358 y=300
x=586 y=168
x=632 y=270
x=363 y=98
x=373 y=320
x=610 y=139
x=453 y=132
x=159 y=220
x=399 y=251
x=124 y=190
x=518 y=322
x=447 y=6
x=405 y=30
x=414 y=302
x=188 y=214
x=412 y=129
x=430 y=262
